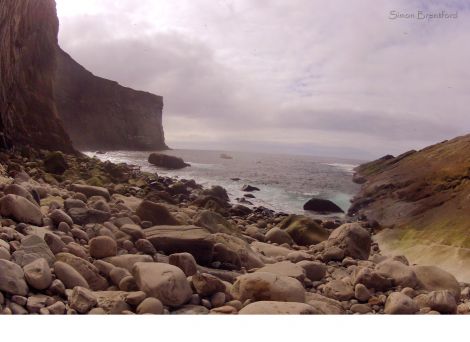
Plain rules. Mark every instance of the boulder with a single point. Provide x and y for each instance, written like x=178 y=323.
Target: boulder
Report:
x=91 y=274
x=83 y=216
x=102 y=247
x=442 y=301
x=133 y=230
x=112 y=302
x=57 y=216
x=278 y=308
x=150 y=306
x=69 y=275
x=399 y=304
x=218 y=192
x=249 y=188
x=90 y=191
x=432 y=278
x=12 y=278
x=339 y=290
x=16 y=189
x=354 y=240
x=166 y=161
x=33 y=247
x=401 y=274
x=54 y=242
x=303 y=230
x=284 y=268
x=279 y=236
x=322 y=206
x=324 y=305
x=55 y=162
x=261 y=286
x=371 y=279
x=82 y=300
x=270 y=250
x=214 y=223
x=128 y=261
x=163 y=281
x=185 y=261
x=38 y=274
x=20 y=209
x=314 y=270
x=206 y=284
x=155 y=213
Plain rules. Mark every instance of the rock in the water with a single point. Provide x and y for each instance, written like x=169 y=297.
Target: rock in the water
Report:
x=33 y=247
x=354 y=240
x=150 y=306
x=82 y=299
x=12 y=278
x=90 y=191
x=20 y=209
x=278 y=308
x=102 y=247
x=69 y=275
x=185 y=261
x=155 y=213
x=38 y=274
x=314 y=270
x=284 y=268
x=303 y=230
x=399 y=304
x=55 y=163
x=442 y=301
x=267 y=286
x=279 y=236
x=218 y=192
x=433 y=278
x=401 y=274
x=249 y=188
x=166 y=161
x=322 y=206
x=166 y=282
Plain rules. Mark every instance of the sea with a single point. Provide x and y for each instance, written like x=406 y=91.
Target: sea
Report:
x=286 y=182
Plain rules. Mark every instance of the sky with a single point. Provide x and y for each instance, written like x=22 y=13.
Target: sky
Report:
x=352 y=79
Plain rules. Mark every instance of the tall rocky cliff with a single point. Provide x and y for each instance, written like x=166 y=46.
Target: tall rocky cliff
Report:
x=28 y=40
x=424 y=196
x=101 y=114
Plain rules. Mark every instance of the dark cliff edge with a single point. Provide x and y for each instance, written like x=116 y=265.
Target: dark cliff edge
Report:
x=28 y=40
x=101 y=114
x=424 y=196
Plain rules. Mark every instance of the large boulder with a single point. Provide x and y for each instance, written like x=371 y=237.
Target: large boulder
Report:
x=278 y=308
x=33 y=247
x=90 y=191
x=354 y=240
x=16 y=189
x=20 y=209
x=322 y=206
x=155 y=213
x=12 y=278
x=214 y=222
x=166 y=161
x=432 y=278
x=401 y=274
x=400 y=304
x=260 y=286
x=303 y=230
x=166 y=282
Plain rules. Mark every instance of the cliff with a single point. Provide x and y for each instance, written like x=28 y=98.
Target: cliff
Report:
x=101 y=114
x=425 y=197
x=28 y=40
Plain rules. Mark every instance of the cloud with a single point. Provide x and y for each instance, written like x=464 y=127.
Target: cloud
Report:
x=301 y=76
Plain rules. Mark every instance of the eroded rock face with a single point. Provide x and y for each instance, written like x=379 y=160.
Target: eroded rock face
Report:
x=101 y=114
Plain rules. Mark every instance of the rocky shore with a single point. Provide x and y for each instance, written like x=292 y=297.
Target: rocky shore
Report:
x=80 y=236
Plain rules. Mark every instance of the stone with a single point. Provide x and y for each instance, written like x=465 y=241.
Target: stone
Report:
x=12 y=279
x=339 y=290
x=167 y=161
x=83 y=216
x=249 y=188
x=401 y=274
x=70 y=203
x=55 y=243
x=191 y=310
x=128 y=261
x=354 y=240
x=206 y=284
x=218 y=192
x=297 y=256
x=267 y=286
x=284 y=268
x=325 y=305
x=91 y=274
x=372 y=279
x=432 y=278
x=278 y=308
x=57 y=216
x=58 y=308
x=38 y=274
x=279 y=236
x=117 y=274
x=135 y=297
x=82 y=299
x=20 y=209
x=185 y=261
x=128 y=284
x=102 y=247
x=15 y=189
x=69 y=276
x=224 y=310
x=55 y=162
x=133 y=230
x=399 y=304
x=57 y=287
x=36 y=303
x=112 y=302
x=332 y=253
x=90 y=191
x=218 y=299
x=214 y=223
x=314 y=270
x=150 y=306
x=4 y=254
x=361 y=308
x=166 y=282
x=442 y=301
x=269 y=250
x=322 y=206
x=155 y=213
x=145 y=246
x=303 y=230
x=362 y=293
x=33 y=247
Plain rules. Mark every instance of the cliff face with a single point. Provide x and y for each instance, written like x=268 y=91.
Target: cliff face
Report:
x=28 y=40
x=101 y=114
x=425 y=197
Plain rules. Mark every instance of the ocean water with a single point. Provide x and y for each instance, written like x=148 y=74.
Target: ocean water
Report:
x=286 y=181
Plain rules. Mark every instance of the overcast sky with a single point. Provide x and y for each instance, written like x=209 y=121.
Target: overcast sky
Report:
x=330 y=78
